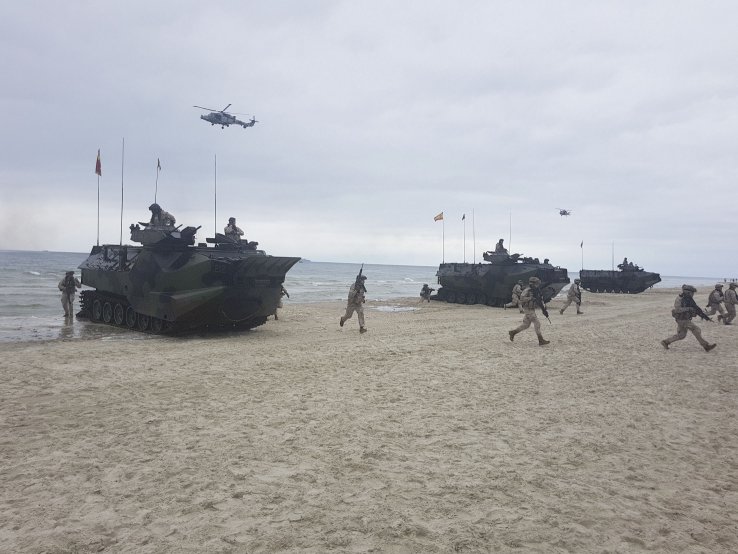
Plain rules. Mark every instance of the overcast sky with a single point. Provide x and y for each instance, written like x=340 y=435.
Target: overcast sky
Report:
x=374 y=117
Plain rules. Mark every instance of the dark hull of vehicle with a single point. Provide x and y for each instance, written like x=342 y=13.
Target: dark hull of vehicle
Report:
x=182 y=288
x=492 y=283
x=631 y=282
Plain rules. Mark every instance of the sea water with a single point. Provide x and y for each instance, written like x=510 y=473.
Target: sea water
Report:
x=30 y=305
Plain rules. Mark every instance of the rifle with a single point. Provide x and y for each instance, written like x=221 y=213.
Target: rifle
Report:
x=538 y=299
x=688 y=302
x=359 y=280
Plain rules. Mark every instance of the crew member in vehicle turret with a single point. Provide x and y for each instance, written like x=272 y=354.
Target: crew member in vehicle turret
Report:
x=500 y=248
x=160 y=218
x=68 y=287
x=232 y=231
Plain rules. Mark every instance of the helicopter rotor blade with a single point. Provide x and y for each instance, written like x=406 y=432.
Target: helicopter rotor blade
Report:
x=208 y=109
x=224 y=109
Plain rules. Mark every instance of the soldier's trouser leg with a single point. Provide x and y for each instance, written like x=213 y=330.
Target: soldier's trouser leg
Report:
x=566 y=305
x=360 y=314
x=697 y=333
x=527 y=320
x=680 y=334
x=68 y=304
x=349 y=312
x=730 y=309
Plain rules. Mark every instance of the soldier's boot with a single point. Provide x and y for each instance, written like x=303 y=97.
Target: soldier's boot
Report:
x=341 y=321
x=720 y=318
x=542 y=341
x=709 y=347
x=561 y=311
x=362 y=329
x=665 y=344
x=512 y=335
x=579 y=312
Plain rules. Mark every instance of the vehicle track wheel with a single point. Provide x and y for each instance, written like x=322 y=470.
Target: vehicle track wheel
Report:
x=157 y=325
x=96 y=310
x=471 y=298
x=461 y=298
x=130 y=317
x=451 y=297
x=119 y=314
x=107 y=312
x=143 y=322
x=482 y=299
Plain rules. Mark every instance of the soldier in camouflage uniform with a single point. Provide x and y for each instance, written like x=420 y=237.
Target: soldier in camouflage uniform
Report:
x=531 y=299
x=684 y=310
x=715 y=302
x=574 y=295
x=160 y=218
x=68 y=287
x=516 y=292
x=731 y=299
x=356 y=299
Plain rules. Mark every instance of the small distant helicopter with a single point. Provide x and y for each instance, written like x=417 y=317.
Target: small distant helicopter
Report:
x=224 y=119
x=564 y=212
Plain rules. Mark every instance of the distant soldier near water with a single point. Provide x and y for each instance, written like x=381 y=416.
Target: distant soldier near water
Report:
x=68 y=287
x=516 y=292
x=425 y=292
x=355 y=303
x=282 y=293
x=574 y=295
x=715 y=302
x=731 y=299
x=530 y=299
x=685 y=308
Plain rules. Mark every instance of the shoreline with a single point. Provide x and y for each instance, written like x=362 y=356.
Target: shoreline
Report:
x=432 y=432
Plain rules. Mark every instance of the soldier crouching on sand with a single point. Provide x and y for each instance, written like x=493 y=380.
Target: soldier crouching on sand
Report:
x=530 y=299
x=685 y=308
x=355 y=303
x=425 y=293
x=516 y=292
x=574 y=295
x=68 y=287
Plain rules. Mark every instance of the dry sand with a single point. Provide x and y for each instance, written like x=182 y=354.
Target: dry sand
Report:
x=430 y=433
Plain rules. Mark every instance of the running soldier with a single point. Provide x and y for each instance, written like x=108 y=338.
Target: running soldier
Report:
x=731 y=299
x=715 y=302
x=685 y=308
x=68 y=287
x=516 y=292
x=530 y=299
x=356 y=299
x=574 y=295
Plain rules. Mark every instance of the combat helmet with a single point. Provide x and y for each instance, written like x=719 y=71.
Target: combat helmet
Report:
x=577 y=281
x=534 y=281
x=688 y=288
x=155 y=207
x=719 y=286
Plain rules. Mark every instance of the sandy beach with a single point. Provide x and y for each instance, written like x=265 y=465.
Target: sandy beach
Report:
x=430 y=433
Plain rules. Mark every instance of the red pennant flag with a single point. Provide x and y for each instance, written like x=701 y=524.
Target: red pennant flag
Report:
x=98 y=165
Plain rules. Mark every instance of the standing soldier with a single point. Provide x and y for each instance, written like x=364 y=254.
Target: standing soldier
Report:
x=356 y=299
x=516 y=292
x=282 y=293
x=232 y=231
x=715 y=302
x=574 y=295
x=731 y=299
x=530 y=300
x=68 y=286
x=685 y=308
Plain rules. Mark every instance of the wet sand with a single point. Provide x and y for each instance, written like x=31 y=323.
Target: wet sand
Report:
x=430 y=433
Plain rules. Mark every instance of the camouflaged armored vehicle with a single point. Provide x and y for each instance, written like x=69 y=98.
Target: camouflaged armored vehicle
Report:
x=169 y=285
x=629 y=279
x=491 y=283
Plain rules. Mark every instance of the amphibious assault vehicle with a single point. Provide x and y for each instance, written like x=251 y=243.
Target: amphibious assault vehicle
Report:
x=491 y=283
x=629 y=279
x=169 y=285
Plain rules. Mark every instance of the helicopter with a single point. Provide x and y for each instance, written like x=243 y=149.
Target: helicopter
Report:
x=224 y=119
x=564 y=212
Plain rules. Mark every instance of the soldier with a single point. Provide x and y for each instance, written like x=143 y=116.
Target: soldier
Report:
x=356 y=299
x=161 y=218
x=425 y=292
x=530 y=299
x=685 y=308
x=715 y=302
x=516 y=292
x=731 y=299
x=574 y=295
x=499 y=248
x=282 y=293
x=68 y=287
x=232 y=231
